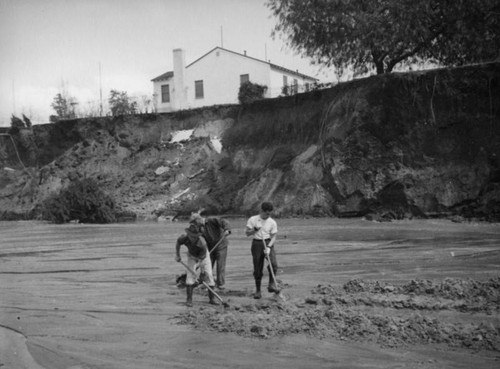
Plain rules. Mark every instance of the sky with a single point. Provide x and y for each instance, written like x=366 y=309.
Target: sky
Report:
x=84 y=47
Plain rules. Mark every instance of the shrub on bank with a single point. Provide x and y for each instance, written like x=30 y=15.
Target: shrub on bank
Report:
x=250 y=92
x=13 y=216
x=81 y=201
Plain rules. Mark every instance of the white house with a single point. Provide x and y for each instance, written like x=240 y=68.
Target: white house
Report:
x=215 y=78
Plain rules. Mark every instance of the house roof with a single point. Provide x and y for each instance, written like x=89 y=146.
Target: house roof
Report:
x=163 y=77
x=283 y=69
x=273 y=66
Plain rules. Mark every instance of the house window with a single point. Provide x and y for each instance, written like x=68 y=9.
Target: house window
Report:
x=165 y=93
x=198 y=89
x=285 y=90
x=295 y=86
x=244 y=78
x=308 y=86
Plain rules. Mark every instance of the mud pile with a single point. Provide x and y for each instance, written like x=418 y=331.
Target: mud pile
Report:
x=449 y=294
x=452 y=312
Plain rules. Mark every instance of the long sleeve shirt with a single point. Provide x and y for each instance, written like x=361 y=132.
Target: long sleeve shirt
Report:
x=213 y=230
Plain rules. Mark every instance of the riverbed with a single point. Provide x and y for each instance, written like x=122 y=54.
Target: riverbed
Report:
x=105 y=296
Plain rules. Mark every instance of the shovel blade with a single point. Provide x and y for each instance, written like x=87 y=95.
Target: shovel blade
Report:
x=280 y=296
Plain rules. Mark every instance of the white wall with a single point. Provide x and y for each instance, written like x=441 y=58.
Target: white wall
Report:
x=277 y=81
x=178 y=93
x=220 y=71
x=163 y=107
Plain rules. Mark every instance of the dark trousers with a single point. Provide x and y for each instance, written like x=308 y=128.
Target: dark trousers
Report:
x=218 y=257
x=259 y=257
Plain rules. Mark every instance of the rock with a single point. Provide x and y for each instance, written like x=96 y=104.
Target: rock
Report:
x=311 y=301
x=161 y=170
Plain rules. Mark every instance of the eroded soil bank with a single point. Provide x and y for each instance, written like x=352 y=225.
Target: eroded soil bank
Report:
x=395 y=146
x=405 y=294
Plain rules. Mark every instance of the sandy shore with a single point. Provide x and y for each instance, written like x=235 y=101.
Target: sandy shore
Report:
x=14 y=352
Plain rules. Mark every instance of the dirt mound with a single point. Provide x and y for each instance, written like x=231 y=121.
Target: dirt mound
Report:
x=420 y=312
x=454 y=294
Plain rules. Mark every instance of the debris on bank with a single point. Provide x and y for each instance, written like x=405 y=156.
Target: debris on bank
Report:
x=183 y=135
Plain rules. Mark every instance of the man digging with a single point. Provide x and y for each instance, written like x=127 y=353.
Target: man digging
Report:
x=215 y=232
x=196 y=256
x=263 y=229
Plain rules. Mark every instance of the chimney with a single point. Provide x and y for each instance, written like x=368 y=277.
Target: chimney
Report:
x=179 y=101
x=245 y=52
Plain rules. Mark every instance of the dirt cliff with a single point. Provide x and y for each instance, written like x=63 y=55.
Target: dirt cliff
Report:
x=418 y=144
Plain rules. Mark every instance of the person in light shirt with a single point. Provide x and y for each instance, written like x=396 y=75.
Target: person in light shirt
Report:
x=263 y=229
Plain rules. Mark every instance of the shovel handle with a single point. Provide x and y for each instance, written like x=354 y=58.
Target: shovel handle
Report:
x=217 y=244
x=271 y=268
x=270 y=264
x=278 y=292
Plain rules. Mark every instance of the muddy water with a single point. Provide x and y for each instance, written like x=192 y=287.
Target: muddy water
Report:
x=104 y=296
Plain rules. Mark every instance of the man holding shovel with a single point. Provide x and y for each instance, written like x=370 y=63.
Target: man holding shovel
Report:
x=196 y=256
x=263 y=229
x=215 y=232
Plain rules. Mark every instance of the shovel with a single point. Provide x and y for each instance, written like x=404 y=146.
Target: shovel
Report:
x=225 y=304
x=271 y=270
x=217 y=244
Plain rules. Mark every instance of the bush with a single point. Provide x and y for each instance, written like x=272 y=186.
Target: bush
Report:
x=250 y=92
x=12 y=215
x=82 y=201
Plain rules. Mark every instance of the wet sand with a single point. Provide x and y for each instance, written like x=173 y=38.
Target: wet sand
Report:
x=104 y=296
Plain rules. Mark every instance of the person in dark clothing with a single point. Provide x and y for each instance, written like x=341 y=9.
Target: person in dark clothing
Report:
x=196 y=256
x=215 y=232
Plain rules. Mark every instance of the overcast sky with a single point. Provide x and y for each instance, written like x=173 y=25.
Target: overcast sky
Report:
x=50 y=45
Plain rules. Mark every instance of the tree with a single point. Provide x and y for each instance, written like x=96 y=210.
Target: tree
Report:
x=16 y=125
x=23 y=140
x=250 y=92
x=27 y=122
x=120 y=103
x=145 y=104
x=380 y=34
x=82 y=200
x=64 y=107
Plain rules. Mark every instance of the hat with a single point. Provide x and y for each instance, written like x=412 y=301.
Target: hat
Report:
x=196 y=218
x=193 y=231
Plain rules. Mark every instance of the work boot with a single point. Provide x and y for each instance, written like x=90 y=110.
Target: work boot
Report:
x=257 y=294
x=211 y=297
x=189 y=292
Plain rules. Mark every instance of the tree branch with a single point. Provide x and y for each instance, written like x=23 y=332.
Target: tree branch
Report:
x=415 y=50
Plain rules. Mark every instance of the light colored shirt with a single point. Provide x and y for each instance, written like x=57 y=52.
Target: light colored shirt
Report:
x=268 y=227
